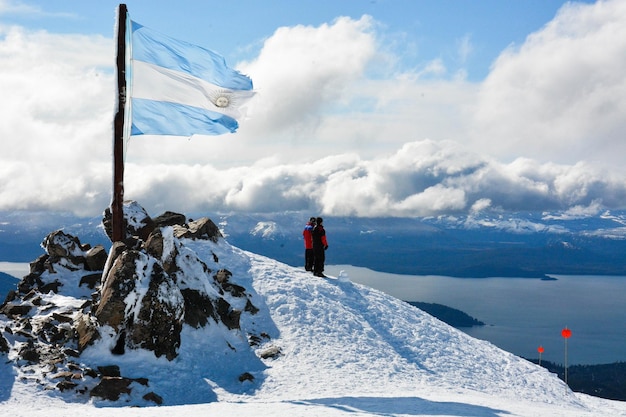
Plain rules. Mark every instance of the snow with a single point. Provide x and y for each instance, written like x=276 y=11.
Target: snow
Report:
x=265 y=229
x=345 y=350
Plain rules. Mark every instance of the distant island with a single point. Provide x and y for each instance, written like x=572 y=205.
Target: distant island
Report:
x=449 y=315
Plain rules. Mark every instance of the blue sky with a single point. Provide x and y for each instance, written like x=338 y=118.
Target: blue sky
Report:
x=419 y=30
x=368 y=108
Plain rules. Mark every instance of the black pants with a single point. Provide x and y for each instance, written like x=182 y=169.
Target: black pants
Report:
x=309 y=258
x=320 y=258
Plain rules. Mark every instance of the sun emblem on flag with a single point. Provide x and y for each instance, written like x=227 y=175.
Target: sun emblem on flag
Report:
x=222 y=98
x=222 y=101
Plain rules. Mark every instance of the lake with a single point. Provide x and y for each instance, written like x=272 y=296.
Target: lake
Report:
x=521 y=313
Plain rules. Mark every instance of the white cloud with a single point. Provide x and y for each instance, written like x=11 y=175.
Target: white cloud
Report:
x=57 y=109
x=561 y=96
x=421 y=178
x=15 y=7
x=303 y=70
x=325 y=136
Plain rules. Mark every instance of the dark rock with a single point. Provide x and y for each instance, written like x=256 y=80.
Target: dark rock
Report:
x=159 y=322
x=29 y=352
x=116 y=250
x=39 y=265
x=234 y=289
x=203 y=228
x=15 y=310
x=154 y=247
x=230 y=317
x=28 y=283
x=246 y=376
x=151 y=396
x=118 y=283
x=74 y=366
x=110 y=388
x=96 y=258
x=51 y=333
x=251 y=308
x=169 y=218
x=59 y=244
x=110 y=370
x=154 y=244
x=66 y=385
x=90 y=280
x=120 y=344
x=198 y=308
x=4 y=345
x=71 y=352
x=142 y=381
x=32 y=294
x=86 y=330
x=50 y=286
x=62 y=318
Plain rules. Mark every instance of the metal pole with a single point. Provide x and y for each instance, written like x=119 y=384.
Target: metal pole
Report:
x=566 y=363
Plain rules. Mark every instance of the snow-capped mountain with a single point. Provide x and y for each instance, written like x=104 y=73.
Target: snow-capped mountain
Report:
x=339 y=348
x=475 y=245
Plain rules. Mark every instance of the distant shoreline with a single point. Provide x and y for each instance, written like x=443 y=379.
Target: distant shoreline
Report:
x=15 y=269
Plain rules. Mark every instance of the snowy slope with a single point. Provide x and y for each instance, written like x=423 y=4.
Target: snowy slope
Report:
x=346 y=350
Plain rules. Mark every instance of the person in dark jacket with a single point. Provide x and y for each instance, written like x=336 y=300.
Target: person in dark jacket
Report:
x=308 y=244
x=320 y=244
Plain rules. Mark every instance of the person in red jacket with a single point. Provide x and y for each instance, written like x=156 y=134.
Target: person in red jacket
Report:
x=308 y=244
x=320 y=244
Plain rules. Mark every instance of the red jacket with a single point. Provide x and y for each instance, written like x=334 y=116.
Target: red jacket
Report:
x=308 y=238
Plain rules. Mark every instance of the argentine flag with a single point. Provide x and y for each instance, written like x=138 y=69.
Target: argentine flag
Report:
x=181 y=89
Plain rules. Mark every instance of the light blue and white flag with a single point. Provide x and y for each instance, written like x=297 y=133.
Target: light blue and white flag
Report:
x=181 y=89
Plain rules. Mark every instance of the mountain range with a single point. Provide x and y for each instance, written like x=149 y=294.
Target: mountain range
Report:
x=484 y=244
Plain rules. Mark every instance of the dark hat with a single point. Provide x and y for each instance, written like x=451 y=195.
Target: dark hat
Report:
x=312 y=219
x=319 y=220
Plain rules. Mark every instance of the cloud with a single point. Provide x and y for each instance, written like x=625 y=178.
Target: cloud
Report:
x=560 y=96
x=57 y=110
x=422 y=178
x=10 y=7
x=328 y=134
x=303 y=70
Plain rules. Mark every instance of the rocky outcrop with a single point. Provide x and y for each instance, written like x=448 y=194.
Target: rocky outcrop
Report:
x=139 y=225
x=138 y=296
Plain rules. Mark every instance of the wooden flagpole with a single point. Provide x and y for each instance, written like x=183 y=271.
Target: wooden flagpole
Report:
x=117 y=203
